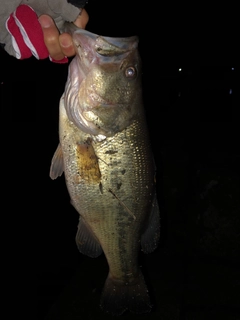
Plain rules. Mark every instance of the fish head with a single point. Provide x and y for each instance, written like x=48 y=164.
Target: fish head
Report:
x=103 y=91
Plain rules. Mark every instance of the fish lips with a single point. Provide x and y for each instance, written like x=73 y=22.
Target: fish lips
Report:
x=98 y=114
x=91 y=47
x=104 y=45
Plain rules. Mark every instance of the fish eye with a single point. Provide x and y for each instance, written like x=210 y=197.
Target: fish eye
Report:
x=130 y=72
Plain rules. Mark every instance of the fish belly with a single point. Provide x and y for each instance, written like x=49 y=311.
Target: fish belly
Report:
x=111 y=185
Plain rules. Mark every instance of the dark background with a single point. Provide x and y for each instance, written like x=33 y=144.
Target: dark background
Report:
x=194 y=126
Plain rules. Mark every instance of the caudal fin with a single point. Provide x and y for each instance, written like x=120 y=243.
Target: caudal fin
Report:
x=118 y=297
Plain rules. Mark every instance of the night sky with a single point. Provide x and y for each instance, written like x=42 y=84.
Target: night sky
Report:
x=194 y=125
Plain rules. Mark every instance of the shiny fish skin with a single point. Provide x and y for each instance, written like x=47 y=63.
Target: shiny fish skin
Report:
x=106 y=157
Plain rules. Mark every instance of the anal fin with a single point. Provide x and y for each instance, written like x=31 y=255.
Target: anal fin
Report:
x=86 y=241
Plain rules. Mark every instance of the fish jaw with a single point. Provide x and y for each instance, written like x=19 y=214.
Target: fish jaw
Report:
x=100 y=94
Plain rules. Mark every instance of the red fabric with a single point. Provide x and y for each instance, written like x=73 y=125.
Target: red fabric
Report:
x=30 y=28
x=64 y=60
x=22 y=50
x=27 y=34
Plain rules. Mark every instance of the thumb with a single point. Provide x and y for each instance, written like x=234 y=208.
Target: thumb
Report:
x=82 y=19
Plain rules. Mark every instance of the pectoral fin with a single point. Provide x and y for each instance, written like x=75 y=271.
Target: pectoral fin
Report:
x=150 y=237
x=56 y=168
x=86 y=241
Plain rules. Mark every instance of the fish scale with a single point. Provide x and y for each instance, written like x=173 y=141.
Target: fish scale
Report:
x=108 y=166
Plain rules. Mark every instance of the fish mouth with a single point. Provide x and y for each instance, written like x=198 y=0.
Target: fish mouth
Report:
x=91 y=47
x=89 y=103
x=96 y=49
x=105 y=46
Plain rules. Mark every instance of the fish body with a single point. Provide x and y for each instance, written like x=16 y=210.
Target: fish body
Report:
x=105 y=154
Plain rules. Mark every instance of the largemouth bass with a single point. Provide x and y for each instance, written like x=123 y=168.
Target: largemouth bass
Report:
x=105 y=154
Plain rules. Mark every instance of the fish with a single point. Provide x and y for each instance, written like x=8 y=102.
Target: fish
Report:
x=105 y=154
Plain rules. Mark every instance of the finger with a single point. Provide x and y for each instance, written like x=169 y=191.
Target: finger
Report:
x=65 y=39
x=66 y=44
x=82 y=19
x=51 y=37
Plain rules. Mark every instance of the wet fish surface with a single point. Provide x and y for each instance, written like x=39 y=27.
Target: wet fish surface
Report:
x=105 y=154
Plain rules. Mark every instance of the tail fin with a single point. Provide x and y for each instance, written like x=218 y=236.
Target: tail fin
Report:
x=118 y=296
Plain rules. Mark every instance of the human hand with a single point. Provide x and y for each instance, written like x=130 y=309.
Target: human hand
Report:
x=37 y=29
x=60 y=45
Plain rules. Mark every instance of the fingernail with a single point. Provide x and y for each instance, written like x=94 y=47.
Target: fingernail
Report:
x=45 y=21
x=65 y=43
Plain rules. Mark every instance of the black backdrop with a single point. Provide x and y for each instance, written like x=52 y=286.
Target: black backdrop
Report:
x=194 y=125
